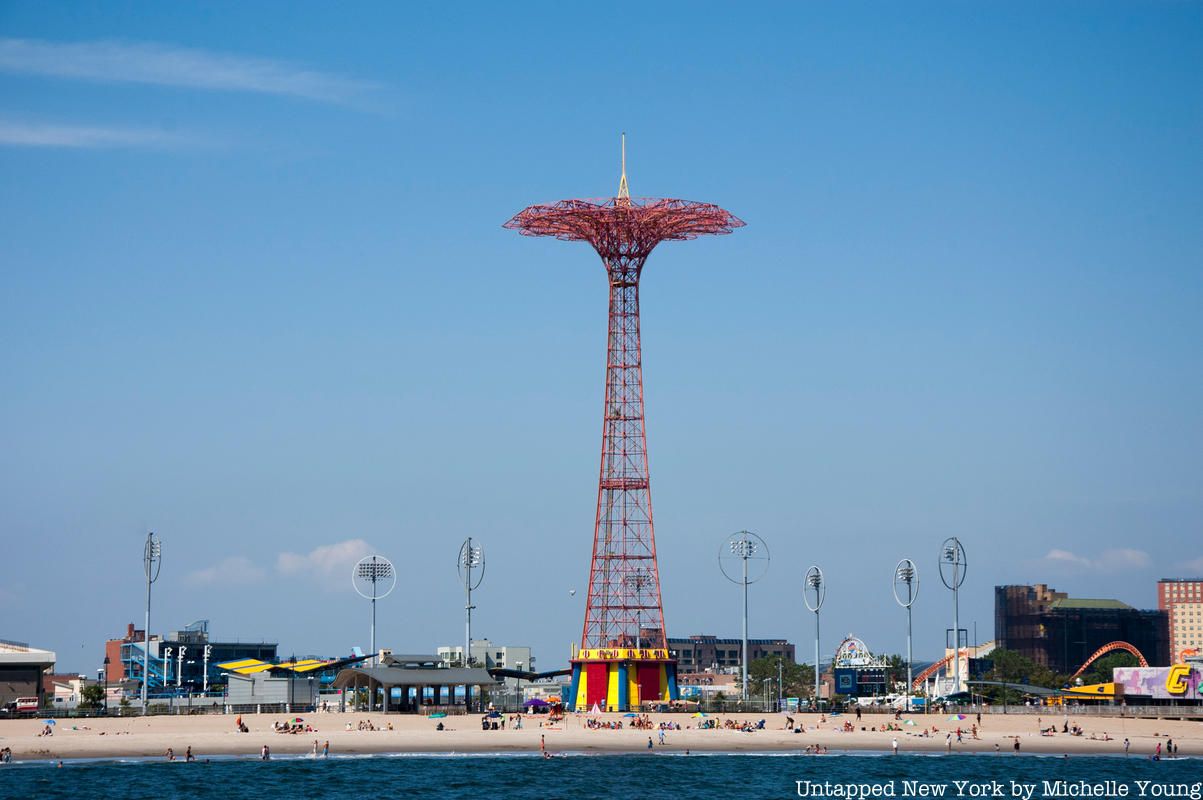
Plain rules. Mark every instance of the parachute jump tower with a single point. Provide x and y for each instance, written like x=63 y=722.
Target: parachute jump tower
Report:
x=623 y=660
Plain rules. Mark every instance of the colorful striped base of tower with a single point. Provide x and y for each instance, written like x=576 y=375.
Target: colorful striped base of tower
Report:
x=622 y=678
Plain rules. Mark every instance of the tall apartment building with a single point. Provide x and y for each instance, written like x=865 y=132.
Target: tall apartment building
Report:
x=1182 y=600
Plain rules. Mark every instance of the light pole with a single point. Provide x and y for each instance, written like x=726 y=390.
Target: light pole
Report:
x=906 y=574
x=733 y=559
x=471 y=557
x=813 y=582
x=106 y=684
x=208 y=652
x=152 y=561
x=179 y=668
x=369 y=576
x=952 y=572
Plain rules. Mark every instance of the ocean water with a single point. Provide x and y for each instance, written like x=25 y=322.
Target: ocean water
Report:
x=587 y=776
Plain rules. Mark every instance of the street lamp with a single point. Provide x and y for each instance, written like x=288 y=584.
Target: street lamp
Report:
x=208 y=652
x=906 y=574
x=733 y=559
x=105 y=669
x=152 y=561
x=812 y=582
x=952 y=572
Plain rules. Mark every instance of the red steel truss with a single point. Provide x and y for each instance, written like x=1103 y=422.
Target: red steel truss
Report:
x=623 y=607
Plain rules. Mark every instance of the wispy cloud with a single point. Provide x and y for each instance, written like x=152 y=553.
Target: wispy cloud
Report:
x=35 y=134
x=1106 y=561
x=330 y=562
x=167 y=65
x=1195 y=566
x=234 y=570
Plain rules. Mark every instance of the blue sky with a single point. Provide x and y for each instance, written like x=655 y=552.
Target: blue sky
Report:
x=255 y=295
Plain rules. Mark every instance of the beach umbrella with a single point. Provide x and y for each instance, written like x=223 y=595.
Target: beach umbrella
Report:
x=956 y=717
x=629 y=714
x=697 y=714
x=535 y=701
x=297 y=719
x=910 y=722
x=51 y=722
x=438 y=715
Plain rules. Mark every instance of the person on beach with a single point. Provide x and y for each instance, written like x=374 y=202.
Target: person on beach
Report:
x=948 y=741
x=170 y=754
x=188 y=757
x=315 y=748
x=894 y=744
x=649 y=744
x=661 y=736
x=1017 y=744
x=265 y=754
x=326 y=749
x=996 y=748
x=1127 y=744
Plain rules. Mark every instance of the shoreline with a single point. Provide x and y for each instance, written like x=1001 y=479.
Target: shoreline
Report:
x=147 y=738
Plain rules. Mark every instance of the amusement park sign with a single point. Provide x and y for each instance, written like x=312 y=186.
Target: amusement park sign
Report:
x=1179 y=682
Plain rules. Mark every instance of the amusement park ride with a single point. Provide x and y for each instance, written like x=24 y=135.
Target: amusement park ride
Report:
x=623 y=659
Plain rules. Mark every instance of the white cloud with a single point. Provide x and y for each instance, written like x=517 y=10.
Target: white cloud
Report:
x=1109 y=560
x=232 y=570
x=330 y=562
x=24 y=134
x=167 y=65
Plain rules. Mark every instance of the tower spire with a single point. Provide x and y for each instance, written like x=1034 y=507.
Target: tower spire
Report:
x=623 y=198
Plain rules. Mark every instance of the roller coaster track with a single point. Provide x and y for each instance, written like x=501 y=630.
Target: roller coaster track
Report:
x=943 y=662
x=1107 y=648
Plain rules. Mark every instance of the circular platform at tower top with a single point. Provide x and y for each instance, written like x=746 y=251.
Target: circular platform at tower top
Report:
x=626 y=223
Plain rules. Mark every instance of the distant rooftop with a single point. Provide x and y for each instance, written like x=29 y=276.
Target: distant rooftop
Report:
x=1086 y=602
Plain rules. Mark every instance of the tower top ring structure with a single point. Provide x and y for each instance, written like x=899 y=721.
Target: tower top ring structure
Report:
x=624 y=230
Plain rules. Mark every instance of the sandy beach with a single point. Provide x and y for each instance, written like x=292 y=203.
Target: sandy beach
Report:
x=213 y=735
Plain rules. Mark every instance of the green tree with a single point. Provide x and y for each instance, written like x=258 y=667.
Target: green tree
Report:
x=797 y=680
x=91 y=696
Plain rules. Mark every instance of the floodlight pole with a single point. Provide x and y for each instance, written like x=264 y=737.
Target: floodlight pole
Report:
x=152 y=560
x=814 y=580
x=744 y=660
x=953 y=554
x=470 y=557
x=908 y=574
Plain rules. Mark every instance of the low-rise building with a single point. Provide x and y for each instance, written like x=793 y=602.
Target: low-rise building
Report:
x=703 y=652
x=21 y=671
x=487 y=655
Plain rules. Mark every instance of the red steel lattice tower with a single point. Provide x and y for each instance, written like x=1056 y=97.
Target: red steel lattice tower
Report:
x=624 y=582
